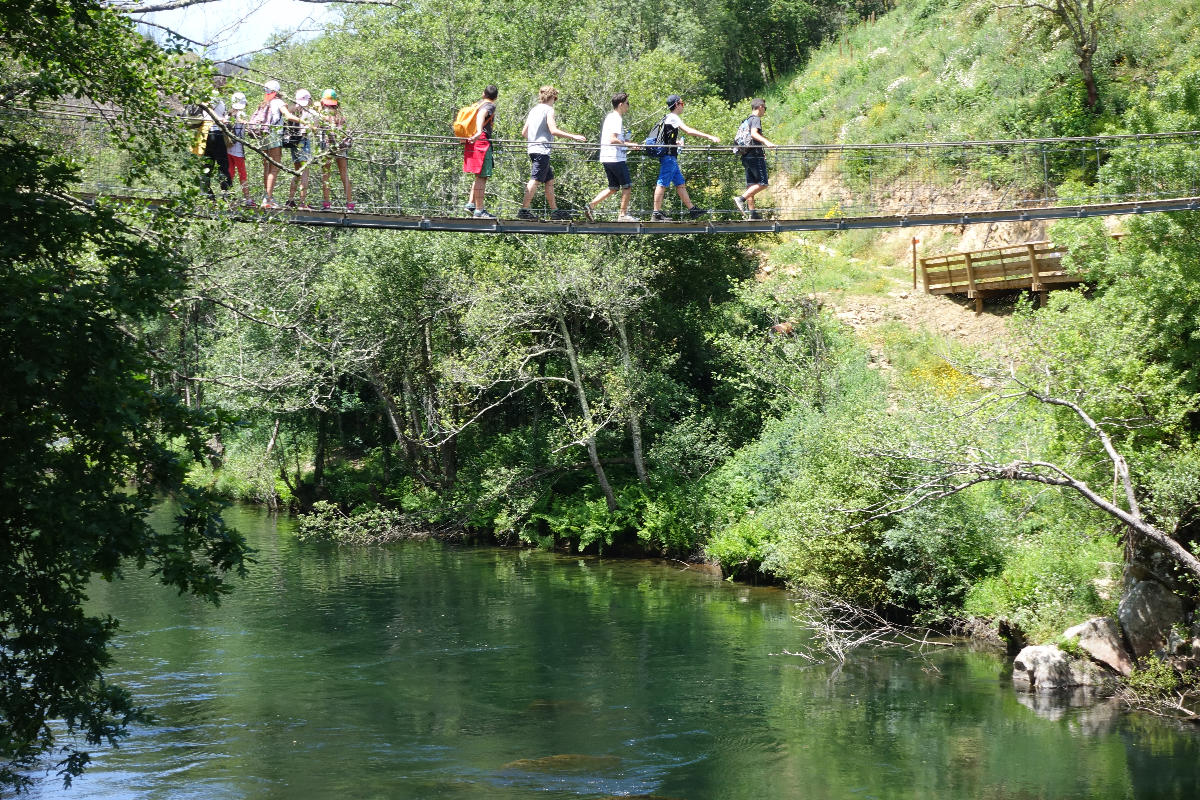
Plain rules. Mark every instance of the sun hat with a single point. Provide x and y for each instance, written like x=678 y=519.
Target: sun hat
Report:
x=329 y=97
x=303 y=97
x=673 y=101
x=239 y=101
x=271 y=87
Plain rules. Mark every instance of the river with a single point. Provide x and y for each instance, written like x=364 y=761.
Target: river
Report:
x=422 y=670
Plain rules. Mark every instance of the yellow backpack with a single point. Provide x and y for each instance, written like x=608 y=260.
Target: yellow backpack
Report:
x=466 y=122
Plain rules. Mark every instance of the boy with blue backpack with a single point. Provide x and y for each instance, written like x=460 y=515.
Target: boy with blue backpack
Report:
x=749 y=143
x=669 y=173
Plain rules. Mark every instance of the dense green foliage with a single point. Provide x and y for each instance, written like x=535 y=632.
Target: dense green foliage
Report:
x=89 y=441
x=608 y=395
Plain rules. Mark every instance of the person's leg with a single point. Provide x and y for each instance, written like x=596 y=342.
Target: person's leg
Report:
x=344 y=169
x=530 y=188
x=748 y=196
x=604 y=195
x=326 y=169
x=223 y=165
x=477 y=191
x=550 y=195
x=683 y=195
x=271 y=172
x=626 y=193
x=659 y=192
x=304 y=185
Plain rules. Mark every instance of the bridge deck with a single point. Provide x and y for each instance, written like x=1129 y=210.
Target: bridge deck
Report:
x=344 y=219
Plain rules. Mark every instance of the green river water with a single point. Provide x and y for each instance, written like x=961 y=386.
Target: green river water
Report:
x=422 y=670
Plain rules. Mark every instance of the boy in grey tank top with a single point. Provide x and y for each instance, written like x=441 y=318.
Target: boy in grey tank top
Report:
x=539 y=131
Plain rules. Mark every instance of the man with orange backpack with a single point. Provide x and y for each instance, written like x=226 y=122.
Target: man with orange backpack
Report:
x=474 y=124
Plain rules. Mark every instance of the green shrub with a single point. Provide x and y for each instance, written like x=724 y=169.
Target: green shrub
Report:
x=1051 y=580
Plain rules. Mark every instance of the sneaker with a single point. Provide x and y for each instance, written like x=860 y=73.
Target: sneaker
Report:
x=562 y=214
x=483 y=213
x=628 y=218
x=470 y=207
x=740 y=202
x=290 y=204
x=658 y=216
x=349 y=206
x=524 y=213
x=697 y=211
x=587 y=212
x=325 y=206
x=755 y=215
x=268 y=203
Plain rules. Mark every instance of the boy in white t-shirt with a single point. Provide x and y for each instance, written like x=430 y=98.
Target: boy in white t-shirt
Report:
x=614 y=143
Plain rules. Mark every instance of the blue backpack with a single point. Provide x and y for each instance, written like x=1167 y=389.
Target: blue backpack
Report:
x=653 y=145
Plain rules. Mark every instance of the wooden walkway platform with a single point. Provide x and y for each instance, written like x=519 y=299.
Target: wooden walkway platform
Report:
x=1032 y=266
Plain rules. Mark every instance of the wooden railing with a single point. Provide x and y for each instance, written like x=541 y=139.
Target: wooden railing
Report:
x=1033 y=266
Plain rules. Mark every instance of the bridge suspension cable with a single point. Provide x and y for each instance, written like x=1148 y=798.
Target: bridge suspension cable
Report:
x=410 y=180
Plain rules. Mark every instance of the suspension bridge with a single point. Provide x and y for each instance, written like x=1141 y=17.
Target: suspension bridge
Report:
x=408 y=181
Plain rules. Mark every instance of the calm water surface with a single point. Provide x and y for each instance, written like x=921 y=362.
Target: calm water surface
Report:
x=427 y=671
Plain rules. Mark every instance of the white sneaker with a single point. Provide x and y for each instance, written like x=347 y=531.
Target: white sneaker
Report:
x=628 y=218
x=740 y=202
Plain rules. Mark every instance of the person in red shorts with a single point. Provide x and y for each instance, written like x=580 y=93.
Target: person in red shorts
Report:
x=477 y=154
x=234 y=147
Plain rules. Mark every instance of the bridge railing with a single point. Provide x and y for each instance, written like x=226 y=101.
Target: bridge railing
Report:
x=400 y=173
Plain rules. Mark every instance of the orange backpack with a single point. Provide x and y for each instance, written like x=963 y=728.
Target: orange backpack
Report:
x=467 y=121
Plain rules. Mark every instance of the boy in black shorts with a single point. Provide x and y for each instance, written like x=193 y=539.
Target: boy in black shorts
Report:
x=614 y=144
x=539 y=131
x=754 y=160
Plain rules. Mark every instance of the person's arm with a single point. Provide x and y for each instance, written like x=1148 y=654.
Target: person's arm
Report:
x=757 y=136
x=694 y=132
x=556 y=131
x=483 y=125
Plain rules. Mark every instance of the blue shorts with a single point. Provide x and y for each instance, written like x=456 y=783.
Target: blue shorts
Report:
x=669 y=172
x=301 y=153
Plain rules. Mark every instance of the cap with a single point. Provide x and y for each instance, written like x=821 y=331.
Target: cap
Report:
x=673 y=101
x=329 y=97
x=271 y=87
x=239 y=101
x=303 y=97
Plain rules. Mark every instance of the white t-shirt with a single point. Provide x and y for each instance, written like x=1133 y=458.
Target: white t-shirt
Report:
x=611 y=153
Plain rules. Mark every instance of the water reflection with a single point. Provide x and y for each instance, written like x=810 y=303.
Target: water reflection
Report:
x=424 y=671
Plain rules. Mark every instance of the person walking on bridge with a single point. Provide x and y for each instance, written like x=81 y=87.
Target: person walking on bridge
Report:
x=750 y=142
x=614 y=144
x=539 y=131
x=275 y=110
x=669 y=173
x=478 y=159
x=335 y=147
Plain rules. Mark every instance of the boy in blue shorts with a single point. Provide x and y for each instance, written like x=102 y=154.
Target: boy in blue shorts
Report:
x=669 y=173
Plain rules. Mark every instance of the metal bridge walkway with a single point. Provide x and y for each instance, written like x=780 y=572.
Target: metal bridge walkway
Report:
x=415 y=182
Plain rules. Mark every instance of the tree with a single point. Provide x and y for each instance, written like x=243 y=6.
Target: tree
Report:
x=88 y=445
x=1084 y=21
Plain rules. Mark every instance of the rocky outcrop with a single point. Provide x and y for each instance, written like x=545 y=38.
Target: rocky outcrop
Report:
x=1046 y=668
x=1147 y=612
x=1101 y=640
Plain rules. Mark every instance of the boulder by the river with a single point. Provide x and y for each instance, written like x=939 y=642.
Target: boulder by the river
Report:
x=1046 y=668
x=1147 y=612
x=1100 y=638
